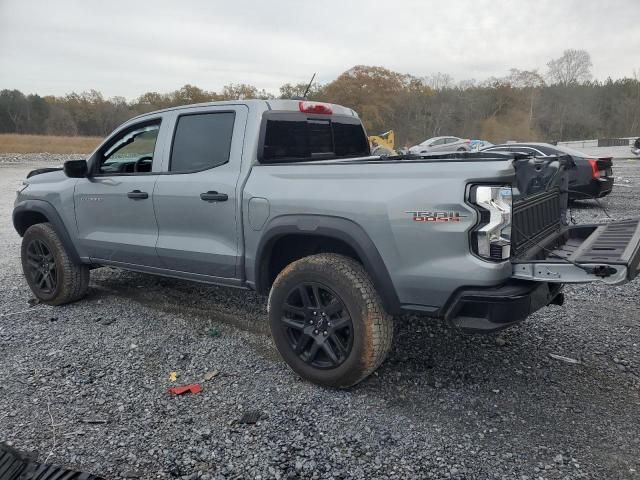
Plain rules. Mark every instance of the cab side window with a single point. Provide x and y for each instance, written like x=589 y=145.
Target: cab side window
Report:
x=131 y=152
x=201 y=141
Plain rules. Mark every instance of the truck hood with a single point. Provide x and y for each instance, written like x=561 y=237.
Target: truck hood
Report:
x=45 y=175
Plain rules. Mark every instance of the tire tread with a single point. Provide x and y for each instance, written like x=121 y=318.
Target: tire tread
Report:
x=379 y=323
x=75 y=276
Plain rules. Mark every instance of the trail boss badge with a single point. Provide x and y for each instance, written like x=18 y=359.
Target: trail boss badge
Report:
x=436 y=216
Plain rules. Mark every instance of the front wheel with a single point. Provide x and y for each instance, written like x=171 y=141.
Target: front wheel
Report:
x=327 y=320
x=52 y=276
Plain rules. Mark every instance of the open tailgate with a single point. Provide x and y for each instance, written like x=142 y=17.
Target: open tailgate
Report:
x=608 y=252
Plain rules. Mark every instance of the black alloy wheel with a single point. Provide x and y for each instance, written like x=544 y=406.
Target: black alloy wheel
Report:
x=41 y=266
x=53 y=277
x=317 y=325
x=327 y=320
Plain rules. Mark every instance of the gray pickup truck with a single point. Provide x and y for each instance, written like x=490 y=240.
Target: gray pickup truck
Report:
x=284 y=197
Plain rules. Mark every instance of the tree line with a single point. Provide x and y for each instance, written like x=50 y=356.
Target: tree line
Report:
x=564 y=103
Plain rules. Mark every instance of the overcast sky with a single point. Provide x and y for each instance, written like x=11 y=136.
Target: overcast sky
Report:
x=129 y=47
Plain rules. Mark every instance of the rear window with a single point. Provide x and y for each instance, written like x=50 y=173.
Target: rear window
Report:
x=570 y=151
x=299 y=138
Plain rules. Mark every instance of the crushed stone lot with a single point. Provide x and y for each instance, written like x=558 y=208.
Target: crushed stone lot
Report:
x=85 y=385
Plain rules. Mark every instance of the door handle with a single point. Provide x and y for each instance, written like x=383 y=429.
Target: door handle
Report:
x=212 y=196
x=137 y=194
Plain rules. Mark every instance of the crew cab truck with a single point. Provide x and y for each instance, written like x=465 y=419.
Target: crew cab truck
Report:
x=283 y=197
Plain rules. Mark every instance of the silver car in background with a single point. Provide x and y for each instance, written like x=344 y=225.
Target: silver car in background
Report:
x=442 y=144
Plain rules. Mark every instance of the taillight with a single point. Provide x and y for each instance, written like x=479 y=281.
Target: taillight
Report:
x=491 y=239
x=315 y=107
x=595 y=172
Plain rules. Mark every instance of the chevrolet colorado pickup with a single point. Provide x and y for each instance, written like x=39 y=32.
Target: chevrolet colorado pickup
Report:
x=284 y=197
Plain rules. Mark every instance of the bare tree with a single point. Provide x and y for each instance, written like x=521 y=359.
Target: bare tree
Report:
x=438 y=81
x=243 y=91
x=14 y=106
x=467 y=84
x=524 y=78
x=529 y=80
x=574 y=66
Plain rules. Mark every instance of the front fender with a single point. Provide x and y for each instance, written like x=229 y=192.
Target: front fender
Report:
x=23 y=214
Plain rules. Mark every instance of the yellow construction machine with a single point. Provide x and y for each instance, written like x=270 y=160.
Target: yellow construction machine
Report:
x=383 y=144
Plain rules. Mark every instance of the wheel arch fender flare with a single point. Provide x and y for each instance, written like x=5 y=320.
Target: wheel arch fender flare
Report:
x=337 y=228
x=26 y=207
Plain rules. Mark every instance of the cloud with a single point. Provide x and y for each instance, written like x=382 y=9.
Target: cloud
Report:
x=126 y=47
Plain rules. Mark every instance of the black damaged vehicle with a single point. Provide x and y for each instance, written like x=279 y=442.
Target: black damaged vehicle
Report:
x=592 y=176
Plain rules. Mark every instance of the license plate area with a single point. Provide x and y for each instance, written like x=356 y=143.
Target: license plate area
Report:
x=609 y=253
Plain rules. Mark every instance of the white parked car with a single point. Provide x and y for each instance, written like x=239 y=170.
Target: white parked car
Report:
x=442 y=144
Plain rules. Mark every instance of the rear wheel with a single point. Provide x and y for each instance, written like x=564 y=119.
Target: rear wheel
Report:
x=52 y=276
x=327 y=320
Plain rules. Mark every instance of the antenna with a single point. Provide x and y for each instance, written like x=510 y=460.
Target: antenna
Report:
x=308 y=86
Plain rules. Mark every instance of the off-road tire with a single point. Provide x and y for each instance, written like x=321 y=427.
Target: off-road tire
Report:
x=72 y=280
x=372 y=325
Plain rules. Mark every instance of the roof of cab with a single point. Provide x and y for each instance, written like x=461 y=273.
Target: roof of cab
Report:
x=276 y=104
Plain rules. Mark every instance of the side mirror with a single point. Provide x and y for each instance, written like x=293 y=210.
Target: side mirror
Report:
x=75 y=168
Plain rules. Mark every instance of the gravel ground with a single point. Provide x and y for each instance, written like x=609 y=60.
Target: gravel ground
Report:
x=85 y=385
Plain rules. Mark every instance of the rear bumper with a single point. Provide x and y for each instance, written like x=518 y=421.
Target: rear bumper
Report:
x=595 y=188
x=487 y=310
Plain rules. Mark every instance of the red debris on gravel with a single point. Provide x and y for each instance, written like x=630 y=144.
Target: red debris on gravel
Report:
x=193 y=388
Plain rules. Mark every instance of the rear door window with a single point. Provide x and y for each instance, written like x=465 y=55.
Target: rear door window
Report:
x=201 y=141
x=298 y=138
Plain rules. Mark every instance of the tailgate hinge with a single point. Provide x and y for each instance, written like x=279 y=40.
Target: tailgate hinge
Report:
x=602 y=271
x=569 y=273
